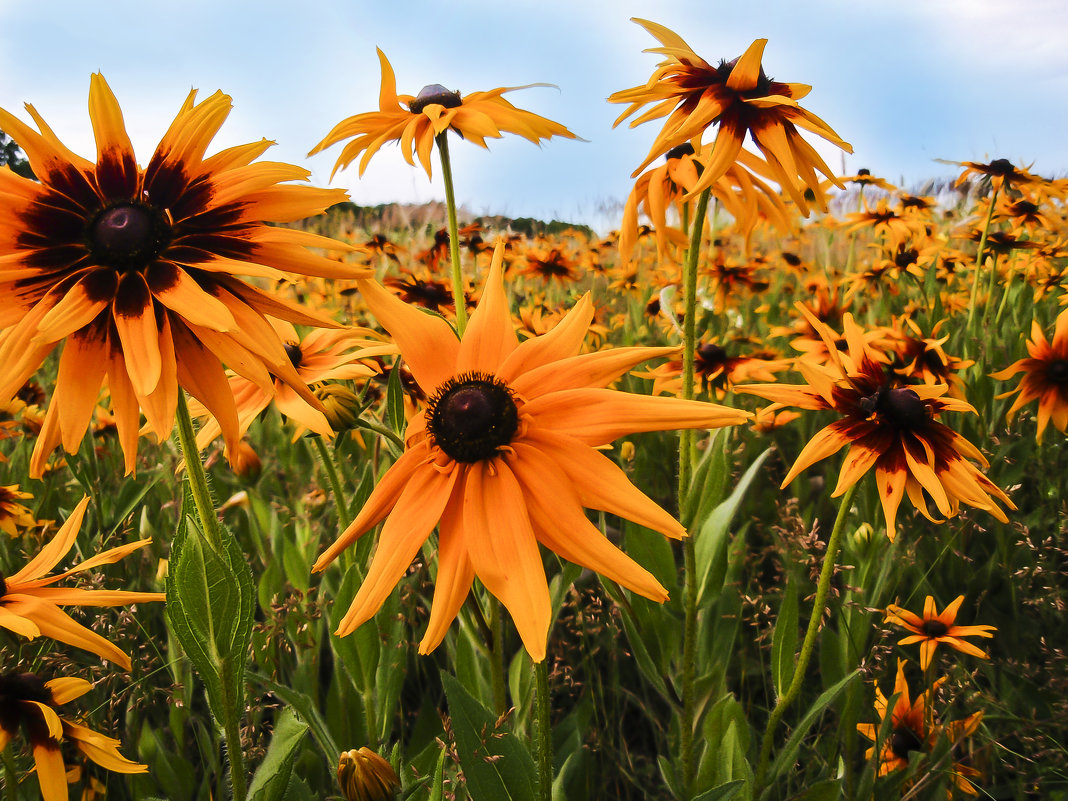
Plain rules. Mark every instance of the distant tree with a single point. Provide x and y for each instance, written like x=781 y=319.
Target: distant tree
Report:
x=11 y=155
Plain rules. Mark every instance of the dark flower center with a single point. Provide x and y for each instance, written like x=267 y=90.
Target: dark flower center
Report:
x=863 y=171
x=934 y=628
x=128 y=236
x=294 y=353
x=1057 y=372
x=1000 y=167
x=434 y=93
x=900 y=407
x=904 y=740
x=472 y=416
x=710 y=357
x=677 y=152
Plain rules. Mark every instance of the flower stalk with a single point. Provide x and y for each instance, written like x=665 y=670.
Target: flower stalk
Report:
x=543 y=732
x=686 y=460
x=458 y=296
x=808 y=645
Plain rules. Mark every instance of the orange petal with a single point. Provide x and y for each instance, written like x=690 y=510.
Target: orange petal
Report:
x=490 y=336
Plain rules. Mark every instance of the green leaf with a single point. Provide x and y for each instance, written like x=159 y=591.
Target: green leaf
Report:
x=210 y=608
x=784 y=641
x=308 y=710
x=723 y=792
x=437 y=788
x=787 y=755
x=709 y=481
x=827 y=790
x=395 y=398
x=712 y=538
x=272 y=776
x=496 y=765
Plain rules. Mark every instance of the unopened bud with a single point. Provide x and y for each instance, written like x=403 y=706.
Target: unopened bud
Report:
x=365 y=776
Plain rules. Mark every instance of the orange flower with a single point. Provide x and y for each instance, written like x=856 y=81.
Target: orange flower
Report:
x=890 y=427
x=505 y=457
x=415 y=121
x=934 y=628
x=739 y=98
x=29 y=703
x=29 y=604
x=1045 y=376
x=135 y=270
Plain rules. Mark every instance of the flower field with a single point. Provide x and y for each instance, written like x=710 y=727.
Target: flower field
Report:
x=760 y=496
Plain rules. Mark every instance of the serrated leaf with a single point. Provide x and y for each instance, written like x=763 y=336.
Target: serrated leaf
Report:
x=711 y=546
x=272 y=776
x=784 y=640
x=210 y=608
x=437 y=787
x=496 y=765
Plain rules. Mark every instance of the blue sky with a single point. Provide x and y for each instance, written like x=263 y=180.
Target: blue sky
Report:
x=905 y=82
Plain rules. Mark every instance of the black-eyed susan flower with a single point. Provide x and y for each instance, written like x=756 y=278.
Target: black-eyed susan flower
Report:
x=13 y=515
x=890 y=427
x=913 y=729
x=910 y=730
x=504 y=457
x=29 y=703
x=1045 y=376
x=135 y=269
x=323 y=354
x=737 y=97
x=30 y=603
x=415 y=121
x=363 y=775
x=932 y=629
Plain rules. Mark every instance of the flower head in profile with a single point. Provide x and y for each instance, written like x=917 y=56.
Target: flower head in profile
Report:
x=323 y=354
x=932 y=629
x=890 y=427
x=737 y=97
x=504 y=457
x=1045 y=376
x=30 y=603
x=135 y=270
x=28 y=703
x=414 y=122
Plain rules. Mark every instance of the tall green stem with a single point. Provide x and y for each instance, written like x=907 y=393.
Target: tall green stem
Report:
x=496 y=622
x=808 y=645
x=458 y=297
x=542 y=732
x=209 y=524
x=686 y=460
x=344 y=517
x=979 y=257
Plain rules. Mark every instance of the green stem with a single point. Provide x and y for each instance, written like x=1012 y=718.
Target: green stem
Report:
x=209 y=524
x=979 y=258
x=458 y=297
x=542 y=732
x=808 y=645
x=686 y=460
x=344 y=517
x=496 y=622
x=195 y=475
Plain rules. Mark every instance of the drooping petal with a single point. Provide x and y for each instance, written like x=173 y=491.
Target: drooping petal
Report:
x=56 y=548
x=418 y=510
x=455 y=573
x=505 y=552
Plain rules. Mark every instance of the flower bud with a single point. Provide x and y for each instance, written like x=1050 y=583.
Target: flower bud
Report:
x=365 y=776
x=340 y=405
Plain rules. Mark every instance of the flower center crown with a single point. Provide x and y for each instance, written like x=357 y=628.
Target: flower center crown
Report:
x=128 y=236
x=472 y=416
x=434 y=93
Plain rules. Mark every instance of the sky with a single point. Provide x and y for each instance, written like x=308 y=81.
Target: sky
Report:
x=905 y=83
